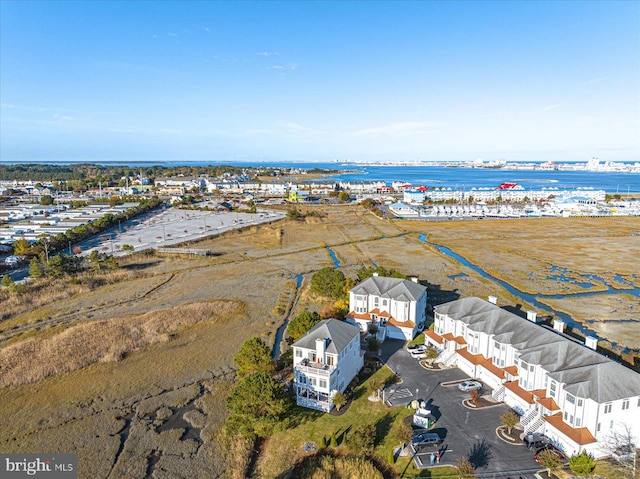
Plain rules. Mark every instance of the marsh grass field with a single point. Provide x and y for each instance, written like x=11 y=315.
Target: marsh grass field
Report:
x=130 y=371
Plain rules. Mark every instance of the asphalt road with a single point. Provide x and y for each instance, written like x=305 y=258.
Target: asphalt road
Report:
x=466 y=432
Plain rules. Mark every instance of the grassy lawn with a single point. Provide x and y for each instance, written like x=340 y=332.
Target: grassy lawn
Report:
x=604 y=468
x=311 y=426
x=419 y=339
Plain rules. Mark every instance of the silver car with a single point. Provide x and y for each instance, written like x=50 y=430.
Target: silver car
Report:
x=470 y=386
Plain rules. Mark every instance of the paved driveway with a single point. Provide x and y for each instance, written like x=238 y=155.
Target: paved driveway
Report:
x=468 y=433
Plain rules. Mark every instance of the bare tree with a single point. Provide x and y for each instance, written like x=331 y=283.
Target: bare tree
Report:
x=622 y=445
x=464 y=469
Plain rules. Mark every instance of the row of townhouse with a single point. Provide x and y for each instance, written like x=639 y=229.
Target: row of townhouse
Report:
x=486 y=194
x=564 y=389
x=364 y=186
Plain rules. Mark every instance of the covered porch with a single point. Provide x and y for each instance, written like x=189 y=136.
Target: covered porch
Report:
x=313 y=399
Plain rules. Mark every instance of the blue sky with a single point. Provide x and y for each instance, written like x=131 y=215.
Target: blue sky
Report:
x=315 y=81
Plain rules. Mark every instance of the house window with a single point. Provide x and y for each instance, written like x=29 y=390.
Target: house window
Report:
x=598 y=428
x=571 y=399
x=546 y=381
x=516 y=356
x=611 y=425
x=566 y=415
x=298 y=353
x=323 y=383
x=578 y=422
x=384 y=302
x=579 y=402
x=625 y=404
x=330 y=360
x=552 y=388
x=607 y=408
x=531 y=368
x=502 y=347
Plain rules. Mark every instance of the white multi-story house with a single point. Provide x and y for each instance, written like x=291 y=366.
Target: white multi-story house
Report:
x=325 y=361
x=562 y=388
x=397 y=307
x=413 y=196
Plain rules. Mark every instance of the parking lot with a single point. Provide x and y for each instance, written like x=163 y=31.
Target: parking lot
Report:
x=170 y=226
x=466 y=432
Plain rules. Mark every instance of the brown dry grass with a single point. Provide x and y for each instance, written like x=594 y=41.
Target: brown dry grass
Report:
x=256 y=267
x=78 y=346
x=43 y=292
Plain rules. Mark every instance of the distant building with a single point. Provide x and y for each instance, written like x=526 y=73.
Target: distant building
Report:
x=401 y=209
x=413 y=196
x=397 y=307
x=325 y=361
x=298 y=196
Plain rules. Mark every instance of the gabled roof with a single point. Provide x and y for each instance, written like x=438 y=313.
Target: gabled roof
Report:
x=584 y=372
x=337 y=332
x=433 y=335
x=401 y=324
x=393 y=288
x=580 y=435
x=518 y=391
x=549 y=404
x=474 y=359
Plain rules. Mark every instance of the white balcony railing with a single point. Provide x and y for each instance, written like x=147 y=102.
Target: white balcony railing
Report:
x=314 y=369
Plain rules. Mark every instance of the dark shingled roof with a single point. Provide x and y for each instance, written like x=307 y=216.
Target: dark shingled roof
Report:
x=338 y=332
x=584 y=372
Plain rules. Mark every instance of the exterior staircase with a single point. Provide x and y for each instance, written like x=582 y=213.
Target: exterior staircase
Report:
x=445 y=357
x=498 y=393
x=528 y=418
x=535 y=426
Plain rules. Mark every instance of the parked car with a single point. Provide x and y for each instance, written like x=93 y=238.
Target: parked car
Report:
x=549 y=447
x=426 y=439
x=535 y=440
x=417 y=348
x=418 y=354
x=470 y=386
